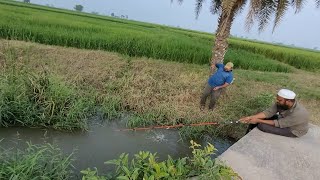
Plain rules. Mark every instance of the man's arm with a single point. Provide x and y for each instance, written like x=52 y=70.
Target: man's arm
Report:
x=292 y=120
x=256 y=117
x=255 y=121
x=288 y=121
x=260 y=116
x=219 y=87
x=214 y=66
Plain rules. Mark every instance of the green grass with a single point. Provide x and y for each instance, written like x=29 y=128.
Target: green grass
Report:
x=39 y=99
x=81 y=30
x=246 y=60
x=299 y=58
x=35 y=162
x=309 y=89
x=154 y=92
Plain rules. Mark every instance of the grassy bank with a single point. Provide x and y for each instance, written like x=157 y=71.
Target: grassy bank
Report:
x=160 y=92
x=30 y=98
x=81 y=30
x=35 y=162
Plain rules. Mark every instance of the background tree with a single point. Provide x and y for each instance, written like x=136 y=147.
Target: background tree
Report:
x=261 y=11
x=26 y=1
x=78 y=7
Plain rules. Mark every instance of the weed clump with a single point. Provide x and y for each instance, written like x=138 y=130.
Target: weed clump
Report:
x=35 y=162
x=38 y=99
x=145 y=165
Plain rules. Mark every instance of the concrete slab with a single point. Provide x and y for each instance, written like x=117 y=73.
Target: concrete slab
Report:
x=264 y=156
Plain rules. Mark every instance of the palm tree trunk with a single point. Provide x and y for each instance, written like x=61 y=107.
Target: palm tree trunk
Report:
x=223 y=32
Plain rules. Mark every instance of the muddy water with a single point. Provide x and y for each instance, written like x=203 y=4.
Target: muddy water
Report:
x=104 y=142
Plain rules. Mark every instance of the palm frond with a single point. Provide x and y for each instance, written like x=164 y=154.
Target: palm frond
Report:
x=297 y=4
x=233 y=6
x=215 y=7
x=254 y=9
x=282 y=6
x=239 y=6
x=198 y=7
x=267 y=9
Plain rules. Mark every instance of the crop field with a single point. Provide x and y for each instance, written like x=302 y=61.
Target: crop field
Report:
x=82 y=30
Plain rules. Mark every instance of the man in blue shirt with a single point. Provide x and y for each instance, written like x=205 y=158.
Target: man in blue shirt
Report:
x=219 y=80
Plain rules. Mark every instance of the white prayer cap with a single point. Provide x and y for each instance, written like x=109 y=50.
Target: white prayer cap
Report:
x=287 y=94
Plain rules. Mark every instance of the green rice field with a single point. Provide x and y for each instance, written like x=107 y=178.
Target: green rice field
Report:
x=82 y=30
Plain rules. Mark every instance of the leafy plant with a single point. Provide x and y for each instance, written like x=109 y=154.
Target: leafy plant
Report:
x=145 y=165
x=91 y=175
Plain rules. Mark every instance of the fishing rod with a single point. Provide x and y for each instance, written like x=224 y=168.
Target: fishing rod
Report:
x=177 y=126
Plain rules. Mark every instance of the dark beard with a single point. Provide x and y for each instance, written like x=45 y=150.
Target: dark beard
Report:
x=282 y=107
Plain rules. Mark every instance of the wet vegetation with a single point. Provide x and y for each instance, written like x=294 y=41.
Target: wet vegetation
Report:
x=35 y=162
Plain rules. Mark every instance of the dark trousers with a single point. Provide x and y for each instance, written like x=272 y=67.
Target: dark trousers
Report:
x=214 y=96
x=271 y=129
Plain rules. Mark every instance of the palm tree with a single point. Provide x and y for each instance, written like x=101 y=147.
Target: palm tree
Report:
x=260 y=10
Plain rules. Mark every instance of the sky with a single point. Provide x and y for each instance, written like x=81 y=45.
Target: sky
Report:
x=301 y=30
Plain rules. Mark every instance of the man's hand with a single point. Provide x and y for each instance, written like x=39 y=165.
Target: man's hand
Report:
x=254 y=121
x=245 y=119
x=216 y=88
x=250 y=119
x=212 y=67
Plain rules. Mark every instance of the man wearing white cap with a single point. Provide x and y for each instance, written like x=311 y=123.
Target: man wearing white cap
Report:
x=286 y=117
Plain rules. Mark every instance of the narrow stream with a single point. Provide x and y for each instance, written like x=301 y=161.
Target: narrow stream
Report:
x=104 y=142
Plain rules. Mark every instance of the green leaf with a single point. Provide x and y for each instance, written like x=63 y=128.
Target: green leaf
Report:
x=135 y=174
x=123 y=178
x=126 y=170
x=162 y=175
x=113 y=161
x=156 y=167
